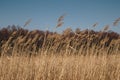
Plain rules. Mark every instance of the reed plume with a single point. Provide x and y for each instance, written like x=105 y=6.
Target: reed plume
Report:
x=106 y=28
x=60 y=21
x=61 y=18
x=95 y=24
x=27 y=22
x=59 y=24
x=115 y=23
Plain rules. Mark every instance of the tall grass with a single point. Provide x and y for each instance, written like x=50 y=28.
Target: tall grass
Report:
x=60 y=68
x=16 y=39
x=71 y=55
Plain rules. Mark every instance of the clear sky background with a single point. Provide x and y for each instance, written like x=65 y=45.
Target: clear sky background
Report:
x=44 y=13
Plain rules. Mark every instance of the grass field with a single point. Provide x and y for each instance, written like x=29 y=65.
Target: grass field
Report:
x=60 y=68
x=71 y=55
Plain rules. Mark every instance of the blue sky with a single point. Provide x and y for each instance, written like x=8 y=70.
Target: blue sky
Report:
x=44 y=13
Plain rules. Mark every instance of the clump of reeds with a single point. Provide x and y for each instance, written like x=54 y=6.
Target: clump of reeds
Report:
x=60 y=67
x=71 y=55
x=21 y=40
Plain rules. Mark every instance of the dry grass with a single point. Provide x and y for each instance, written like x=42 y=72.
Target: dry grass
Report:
x=71 y=55
x=24 y=41
x=60 y=68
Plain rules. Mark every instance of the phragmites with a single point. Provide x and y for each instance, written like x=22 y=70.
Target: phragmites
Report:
x=59 y=24
x=27 y=22
x=106 y=28
x=36 y=37
x=60 y=21
x=115 y=23
x=14 y=33
x=61 y=18
x=36 y=40
x=67 y=31
x=77 y=31
x=95 y=24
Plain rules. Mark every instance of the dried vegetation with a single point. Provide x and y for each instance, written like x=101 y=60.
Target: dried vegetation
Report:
x=71 y=55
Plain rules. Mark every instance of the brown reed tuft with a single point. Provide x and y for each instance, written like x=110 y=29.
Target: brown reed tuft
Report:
x=60 y=21
x=115 y=23
x=59 y=24
x=61 y=18
x=95 y=24
x=106 y=28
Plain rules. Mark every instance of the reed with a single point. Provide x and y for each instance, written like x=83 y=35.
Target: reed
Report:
x=60 y=68
x=71 y=55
